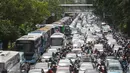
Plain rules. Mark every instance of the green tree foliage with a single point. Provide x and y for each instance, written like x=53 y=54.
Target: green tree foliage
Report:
x=54 y=8
x=116 y=12
x=7 y=32
x=18 y=17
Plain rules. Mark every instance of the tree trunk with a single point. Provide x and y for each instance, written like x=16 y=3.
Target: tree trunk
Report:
x=5 y=44
x=128 y=27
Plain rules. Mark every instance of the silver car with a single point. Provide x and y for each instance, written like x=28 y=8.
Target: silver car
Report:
x=52 y=50
x=63 y=70
x=71 y=56
x=42 y=65
x=36 y=71
x=46 y=56
x=114 y=66
x=85 y=66
x=91 y=71
x=64 y=63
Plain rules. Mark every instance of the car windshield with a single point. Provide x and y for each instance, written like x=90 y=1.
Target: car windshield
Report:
x=86 y=66
x=114 y=68
x=71 y=56
x=85 y=60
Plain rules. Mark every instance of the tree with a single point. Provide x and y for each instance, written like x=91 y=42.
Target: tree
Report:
x=18 y=17
x=116 y=11
x=7 y=32
x=55 y=10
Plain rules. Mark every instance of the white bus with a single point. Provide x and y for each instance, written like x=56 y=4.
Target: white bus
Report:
x=10 y=61
x=58 y=40
x=30 y=46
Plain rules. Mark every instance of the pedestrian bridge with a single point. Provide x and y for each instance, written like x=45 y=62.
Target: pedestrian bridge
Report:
x=77 y=8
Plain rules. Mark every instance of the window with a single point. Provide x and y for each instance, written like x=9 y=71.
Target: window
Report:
x=25 y=46
x=114 y=68
x=56 y=41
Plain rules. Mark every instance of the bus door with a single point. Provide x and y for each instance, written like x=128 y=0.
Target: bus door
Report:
x=46 y=40
x=38 y=45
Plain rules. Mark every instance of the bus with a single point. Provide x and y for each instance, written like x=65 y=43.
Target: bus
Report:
x=47 y=33
x=10 y=61
x=62 y=22
x=29 y=48
x=40 y=33
x=58 y=40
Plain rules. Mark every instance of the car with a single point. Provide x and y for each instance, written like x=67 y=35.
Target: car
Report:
x=63 y=70
x=116 y=47
x=76 y=45
x=52 y=50
x=85 y=66
x=91 y=71
x=36 y=71
x=76 y=50
x=64 y=63
x=71 y=56
x=110 y=57
x=99 y=47
x=46 y=56
x=85 y=59
x=114 y=66
x=42 y=65
x=111 y=61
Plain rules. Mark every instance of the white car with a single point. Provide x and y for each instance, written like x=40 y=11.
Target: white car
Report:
x=71 y=56
x=52 y=50
x=46 y=56
x=36 y=71
x=63 y=70
x=76 y=50
x=64 y=63
x=116 y=47
x=91 y=71
x=42 y=65
x=85 y=66
x=99 y=47
x=114 y=66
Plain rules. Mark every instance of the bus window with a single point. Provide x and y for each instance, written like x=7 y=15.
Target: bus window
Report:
x=25 y=47
x=56 y=41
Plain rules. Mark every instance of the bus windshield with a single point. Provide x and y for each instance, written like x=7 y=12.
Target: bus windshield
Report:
x=56 y=41
x=25 y=46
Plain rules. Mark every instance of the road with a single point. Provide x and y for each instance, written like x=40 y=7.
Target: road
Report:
x=94 y=48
